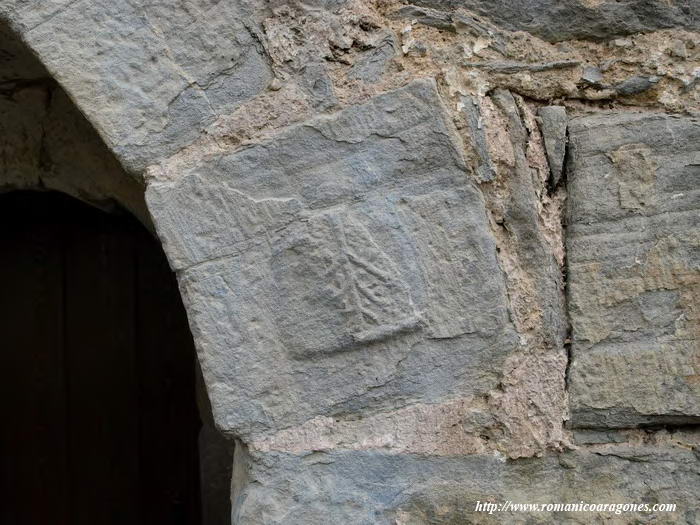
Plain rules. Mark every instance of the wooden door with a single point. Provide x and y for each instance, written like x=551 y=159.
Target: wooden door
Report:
x=99 y=424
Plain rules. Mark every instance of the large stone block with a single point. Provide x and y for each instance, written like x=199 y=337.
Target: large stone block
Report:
x=556 y=20
x=633 y=242
x=371 y=487
x=343 y=265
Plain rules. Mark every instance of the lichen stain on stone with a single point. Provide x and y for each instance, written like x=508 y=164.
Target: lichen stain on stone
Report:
x=636 y=175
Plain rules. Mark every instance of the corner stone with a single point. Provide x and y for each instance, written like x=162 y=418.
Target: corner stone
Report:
x=344 y=265
x=633 y=244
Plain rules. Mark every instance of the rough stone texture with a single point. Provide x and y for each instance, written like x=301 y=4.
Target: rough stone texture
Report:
x=45 y=143
x=379 y=488
x=372 y=65
x=324 y=267
x=556 y=20
x=149 y=76
x=553 y=122
x=636 y=84
x=365 y=203
x=524 y=220
x=485 y=168
x=633 y=245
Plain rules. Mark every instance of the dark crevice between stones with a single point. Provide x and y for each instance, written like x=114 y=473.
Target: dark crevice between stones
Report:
x=561 y=183
x=628 y=418
x=552 y=185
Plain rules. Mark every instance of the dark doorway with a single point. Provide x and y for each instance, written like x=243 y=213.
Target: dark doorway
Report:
x=100 y=423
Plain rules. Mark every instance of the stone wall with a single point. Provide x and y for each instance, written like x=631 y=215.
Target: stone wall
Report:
x=432 y=253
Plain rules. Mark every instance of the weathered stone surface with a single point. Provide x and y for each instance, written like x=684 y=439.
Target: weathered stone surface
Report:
x=148 y=76
x=633 y=244
x=553 y=123
x=378 y=488
x=385 y=338
x=426 y=16
x=45 y=143
x=485 y=169
x=597 y=437
x=520 y=67
x=592 y=75
x=454 y=22
x=532 y=245
x=557 y=20
x=509 y=160
x=326 y=267
x=373 y=63
x=636 y=84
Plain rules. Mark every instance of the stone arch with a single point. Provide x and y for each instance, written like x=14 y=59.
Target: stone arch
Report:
x=267 y=239
x=275 y=344
x=48 y=144
x=146 y=81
